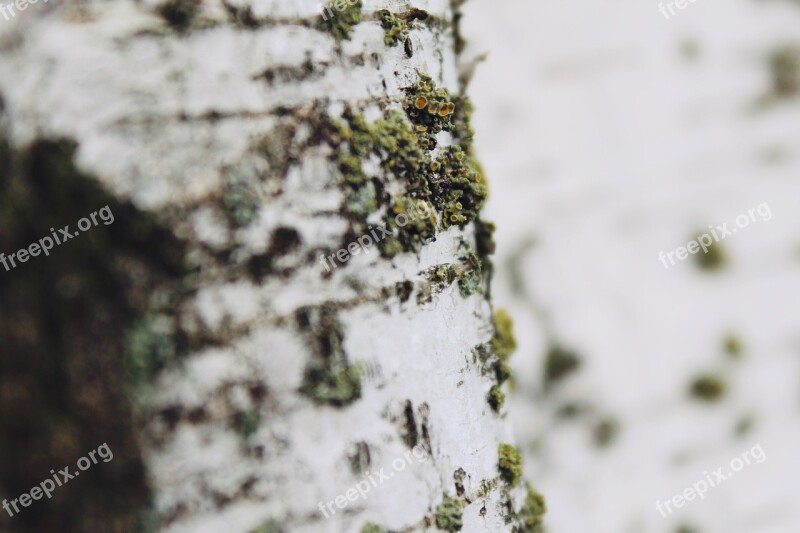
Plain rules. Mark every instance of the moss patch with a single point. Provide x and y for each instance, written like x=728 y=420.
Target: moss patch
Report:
x=340 y=22
x=448 y=514
x=504 y=342
x=531 y=515
x=509 y=463
x=496 y=398
x=395 y=29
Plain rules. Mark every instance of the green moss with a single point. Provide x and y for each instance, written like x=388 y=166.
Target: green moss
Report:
x=707 y=388
x=395 y=29
x=390 y=247
x=509 y=463
x=329 y=378
x=503 y=342
x=470 y=281
x=448 y=514
x=496 y=398
x=338 y=386
x=340 y=22
x=413 y=221
x=558 y=364
x=179 y=14
x=457 y=187
x=449 y=190
x=532 y=514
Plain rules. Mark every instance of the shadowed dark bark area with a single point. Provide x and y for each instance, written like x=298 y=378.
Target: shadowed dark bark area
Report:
x=64 y=318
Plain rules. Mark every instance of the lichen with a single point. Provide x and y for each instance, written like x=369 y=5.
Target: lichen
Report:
x=340 y=21
x=470 y=281
x=395 y=29
x=418 y=220
x=496 y=398
x=531 y=515
x=429 y=106
x=363 y=201
x=503 y=342
x=448 y=514
x=439 y=192
x=707 y=388
x=509 y=463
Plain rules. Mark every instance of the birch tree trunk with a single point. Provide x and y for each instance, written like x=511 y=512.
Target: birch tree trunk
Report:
x=252 y=361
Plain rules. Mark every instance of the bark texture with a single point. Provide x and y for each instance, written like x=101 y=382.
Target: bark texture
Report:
x=240 y=379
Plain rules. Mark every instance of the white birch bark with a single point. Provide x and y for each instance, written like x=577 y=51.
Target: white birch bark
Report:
x=161 y=117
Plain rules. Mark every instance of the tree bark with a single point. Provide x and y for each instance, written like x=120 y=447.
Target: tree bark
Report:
x=248 y=374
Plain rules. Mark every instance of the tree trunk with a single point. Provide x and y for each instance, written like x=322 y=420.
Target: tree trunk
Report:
x=286 y=326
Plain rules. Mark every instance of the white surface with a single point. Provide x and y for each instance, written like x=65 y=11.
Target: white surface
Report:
x=606 y=146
